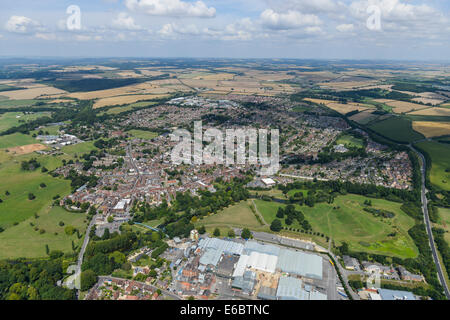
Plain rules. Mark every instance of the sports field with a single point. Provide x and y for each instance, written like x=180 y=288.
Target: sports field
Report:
x=350 y=141
x=440 y=164
x=345 y=220
x=142 y=134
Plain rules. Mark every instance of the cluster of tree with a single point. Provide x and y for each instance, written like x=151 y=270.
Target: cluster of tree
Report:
x=344 y=187
x=380 y=212
x=328 y=155
x=424 y=262
x=290 y=214
x=104 y=144
x=442 y=246
x=312 y=197
x=79 y=180
x=413 y=210
x=33 y=280
x=30 y=165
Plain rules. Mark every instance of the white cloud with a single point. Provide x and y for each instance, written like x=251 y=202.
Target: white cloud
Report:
x=81 y=37
x=310 y=6
x=289 y=20
x=345 y=27
x=394 y=10
x=125 y=22
x=45 y=36
x=21 y=24
x=176 y=8
x=171 y=30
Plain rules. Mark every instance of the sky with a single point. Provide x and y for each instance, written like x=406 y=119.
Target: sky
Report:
x=302 y=29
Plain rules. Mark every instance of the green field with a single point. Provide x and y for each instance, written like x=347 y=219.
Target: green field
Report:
x=352 y=224
x=350 y=141
x=23 y=241
x=15 y=140
x=6 y=103
x=440 y=155
x=142 y=134
x=10 y=119
x=239 y=216
x=79 y=149
x=397 y=129
x=444 y=222
x=16 y=207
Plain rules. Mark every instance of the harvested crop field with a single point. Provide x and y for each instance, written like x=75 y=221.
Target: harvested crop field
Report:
x=401 y=106
x=17 y=151
x=340 y=107
x=32 y=93
x=432 y=129
x=346 y=108
x=113 y=101
x=443 y=112
x=364 y=117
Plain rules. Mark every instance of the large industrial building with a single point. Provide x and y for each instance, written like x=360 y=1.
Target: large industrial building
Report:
x=281 y=271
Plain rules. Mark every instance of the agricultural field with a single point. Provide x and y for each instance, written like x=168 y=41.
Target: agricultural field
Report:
x=239 y=216
x=364 y=117
x=432 y=128
x=440 y=164
x=121 y=100
x=33 y=92
x=345 y=220
x=442 y=112
x=137 y=105
x=397 y=129
x=341 y=107
x=23 y=240
x=401 y=106
x=6 y=103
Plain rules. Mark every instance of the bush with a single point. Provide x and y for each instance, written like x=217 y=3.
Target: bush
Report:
x=276 y=225
x=88 y=279
x=69 y=230
x=246 y=234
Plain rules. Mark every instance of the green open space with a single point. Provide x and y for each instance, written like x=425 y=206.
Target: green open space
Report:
x=238 y=216
x=23 y=240
x=16 y=140
x=440 y=164
x=350 y=141
x=142 y=134
x=13 y=119
x=444 y=222
x=345 y=220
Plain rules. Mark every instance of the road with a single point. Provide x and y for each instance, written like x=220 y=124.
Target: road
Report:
x=428 y=223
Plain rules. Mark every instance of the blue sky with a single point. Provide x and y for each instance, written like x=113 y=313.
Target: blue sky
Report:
x=327 y=29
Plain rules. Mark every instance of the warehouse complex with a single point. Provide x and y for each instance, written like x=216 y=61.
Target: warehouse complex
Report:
x=265 y=271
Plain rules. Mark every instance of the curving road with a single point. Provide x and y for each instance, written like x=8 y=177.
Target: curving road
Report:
x=428 y=223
